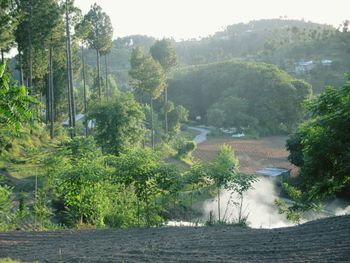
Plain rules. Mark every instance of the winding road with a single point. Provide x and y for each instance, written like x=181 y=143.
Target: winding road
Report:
x=202 y=137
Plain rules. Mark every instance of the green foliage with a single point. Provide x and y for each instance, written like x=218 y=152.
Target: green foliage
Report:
x=240 y=94
x=118 y=123
x=176 y=117
x=46 y=29
x=255 y=39
x=163 y=52
x=14 y=102
x=98 y=29
x=240 y=184
x=9 y=260
x=8 y=24
x=122 y=212
x=223 y=167
x=231 y=112
x=169 y=179
x=81 y=181
x=301 y=203
x=222 y=170
x=41 y=209
x=282 y=42
x=295 y=149
x=196 y=178
x=185 y=148
x=197 y=175
x=148 y=76
x=5 y=206
x=14 y=108
x=322 y=146
x=140 y=168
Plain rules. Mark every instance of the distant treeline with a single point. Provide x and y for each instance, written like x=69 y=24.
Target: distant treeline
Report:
x=276 y=41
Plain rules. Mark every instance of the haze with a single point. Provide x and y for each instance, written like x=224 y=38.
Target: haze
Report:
x=184 y=19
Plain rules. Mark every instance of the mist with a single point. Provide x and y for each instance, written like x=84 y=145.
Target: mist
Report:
x=259 y=207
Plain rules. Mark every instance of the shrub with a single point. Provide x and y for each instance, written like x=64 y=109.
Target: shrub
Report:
x=185 y=148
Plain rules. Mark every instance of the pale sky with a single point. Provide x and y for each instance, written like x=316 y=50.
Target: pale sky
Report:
x=185 y=19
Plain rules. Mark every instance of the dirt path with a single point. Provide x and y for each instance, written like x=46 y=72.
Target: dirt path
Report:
x=326 y=240
x=202 y=137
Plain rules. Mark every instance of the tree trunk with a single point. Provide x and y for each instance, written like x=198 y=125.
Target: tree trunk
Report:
x=191 y=200
x=147 y=212
x=84 y=85
x=71 y=82
x=165 y=108
x=106 y=73
x=70 y=68
x=51 y=98
x=152 y=123
x=240 y=209
x=21 y=80
x=219 y=216
x=2 y=56
x=98 y=73
x=70 y=112
x=47 y=97
x=30 y=53
x=138 y=212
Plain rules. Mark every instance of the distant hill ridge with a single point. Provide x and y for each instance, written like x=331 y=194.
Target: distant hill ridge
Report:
x=276 y=41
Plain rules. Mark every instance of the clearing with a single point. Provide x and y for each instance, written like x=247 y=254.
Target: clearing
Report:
x=253 y=155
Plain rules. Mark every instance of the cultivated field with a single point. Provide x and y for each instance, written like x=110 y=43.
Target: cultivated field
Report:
x=326 y=240
x=253 y=155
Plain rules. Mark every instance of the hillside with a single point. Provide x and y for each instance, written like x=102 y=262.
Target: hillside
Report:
x=240 y=94
x=285 y=43
x=326 y=240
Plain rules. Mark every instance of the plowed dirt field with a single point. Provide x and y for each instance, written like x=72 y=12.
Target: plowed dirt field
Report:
x=253 y=155
x=326 y=240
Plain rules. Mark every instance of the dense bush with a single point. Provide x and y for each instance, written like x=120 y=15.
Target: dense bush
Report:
x=185 y=148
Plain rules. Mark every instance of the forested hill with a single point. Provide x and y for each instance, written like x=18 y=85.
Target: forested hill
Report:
x=240 y=94
x=285 y=43
x=250 y=39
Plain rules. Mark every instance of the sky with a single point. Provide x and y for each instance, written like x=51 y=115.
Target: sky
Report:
x=186 y=19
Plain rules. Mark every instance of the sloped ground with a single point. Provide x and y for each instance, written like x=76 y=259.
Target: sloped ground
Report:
x=326 y=240
x=253 y=155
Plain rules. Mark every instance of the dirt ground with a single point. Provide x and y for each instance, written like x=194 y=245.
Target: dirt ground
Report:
x=326 y=240
x=252 y=154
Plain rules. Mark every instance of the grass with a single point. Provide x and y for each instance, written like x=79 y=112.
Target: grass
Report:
x=22 y=163
x=9 y=260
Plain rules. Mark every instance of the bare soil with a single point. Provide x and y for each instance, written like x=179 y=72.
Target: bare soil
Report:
x=253 y=155
x=326 y=240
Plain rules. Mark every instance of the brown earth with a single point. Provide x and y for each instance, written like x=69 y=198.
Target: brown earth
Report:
x=252 y=154
x=326 y=240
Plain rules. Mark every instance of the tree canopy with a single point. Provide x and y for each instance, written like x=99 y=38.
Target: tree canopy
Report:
x=242 y=93
x=320 y=147
x=118 y=123
x=14 y=104
x=148 y=76
x=100 y=31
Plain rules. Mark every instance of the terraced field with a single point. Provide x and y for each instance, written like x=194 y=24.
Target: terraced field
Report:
x=326 y=240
